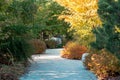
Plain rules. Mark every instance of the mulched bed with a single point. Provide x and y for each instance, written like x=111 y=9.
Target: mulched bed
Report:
x=12 y=72
x=114 y=78
x=8 y=76
x=111 y=78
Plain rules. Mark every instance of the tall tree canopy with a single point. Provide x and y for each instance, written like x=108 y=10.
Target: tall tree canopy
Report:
x=108 y=36
x=16 y=17
x=46 y=20
x=21 y=20
x=82 y=16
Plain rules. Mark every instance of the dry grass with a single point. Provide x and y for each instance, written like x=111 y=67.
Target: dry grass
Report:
x=38 y=45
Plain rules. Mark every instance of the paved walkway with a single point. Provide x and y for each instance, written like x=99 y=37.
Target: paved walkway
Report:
x=50 y=66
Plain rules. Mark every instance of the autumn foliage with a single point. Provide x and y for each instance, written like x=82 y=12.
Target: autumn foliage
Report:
x=38 y=45
x=82 y=16
x=103 y=64
x=73 y=50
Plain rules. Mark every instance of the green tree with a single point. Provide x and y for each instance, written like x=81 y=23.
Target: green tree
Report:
x=108 y=36
x=46 y=20
x=16 y=17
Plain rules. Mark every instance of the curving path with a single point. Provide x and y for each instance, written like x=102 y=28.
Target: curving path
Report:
x=50 y=66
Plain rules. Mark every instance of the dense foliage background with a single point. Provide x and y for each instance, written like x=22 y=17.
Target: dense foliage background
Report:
x=108 y=36
x=92 y=25
x=24 y=20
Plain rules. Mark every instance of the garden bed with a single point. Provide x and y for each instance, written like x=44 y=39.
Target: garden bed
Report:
x=110 y=78
x=12 y=72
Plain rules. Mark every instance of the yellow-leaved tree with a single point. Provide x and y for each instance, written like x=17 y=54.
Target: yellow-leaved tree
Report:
x=82 y=16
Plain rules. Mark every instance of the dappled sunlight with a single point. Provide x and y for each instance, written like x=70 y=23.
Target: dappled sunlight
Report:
x=50 y=66
x=55 y=74
x=49 y=54
x=46 y=57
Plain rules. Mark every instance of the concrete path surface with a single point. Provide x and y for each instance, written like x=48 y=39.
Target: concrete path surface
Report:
x=50 y=66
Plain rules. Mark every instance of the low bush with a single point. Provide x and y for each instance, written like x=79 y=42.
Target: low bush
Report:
x=51 y=43
x=38 y=45
x=73 y=50
x=103 y=64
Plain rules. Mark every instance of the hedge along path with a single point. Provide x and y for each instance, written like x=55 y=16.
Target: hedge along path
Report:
x=50 y=66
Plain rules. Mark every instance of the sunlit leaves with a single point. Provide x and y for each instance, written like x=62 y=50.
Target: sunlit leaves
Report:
x=81 y=14
x=117 y=29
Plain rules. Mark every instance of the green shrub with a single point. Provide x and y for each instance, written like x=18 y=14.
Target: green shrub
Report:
x=73 y=50
x=103 y=64
x=13 y=43
x=108 y=36
x=59 y=46
x=113 y=45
